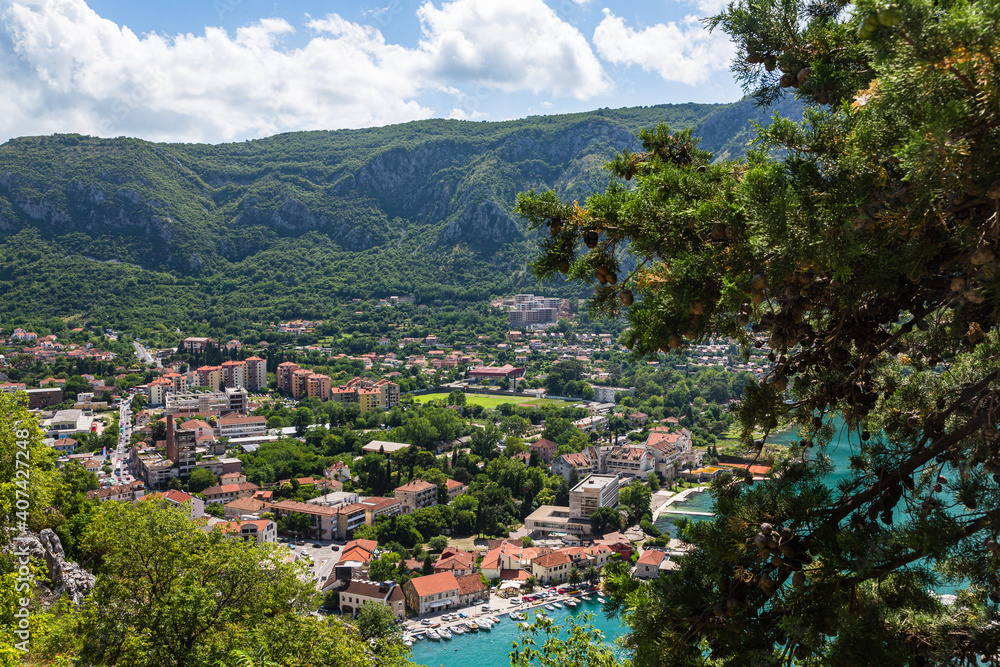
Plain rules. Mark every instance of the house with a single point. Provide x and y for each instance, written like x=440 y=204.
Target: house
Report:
x=432 y=593
x=253 y=530
x=241 y=507
x=552 y=568
x=456 y=561
x=386 y=594
x=651 y=562
x=417 y=494
x=546 y=449
x=120 y=493
x=455 y=489
x=226 y=492
x=234 y=426
x=471 y=590
x=195 y=507
x=355 y=557
x=339 y=471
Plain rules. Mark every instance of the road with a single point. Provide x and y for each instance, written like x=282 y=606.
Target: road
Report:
x=323 y=558
x=144 y=356
x=119 y=455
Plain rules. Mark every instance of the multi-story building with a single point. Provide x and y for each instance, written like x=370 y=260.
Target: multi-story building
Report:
x=284 y=374
x=607 y=394
x=157 y=391
x=251 y=530
x=211 y=377
x=181 y=444
x=234 y=373
x=225 y=493
x=455 y=489
x=242 y=427
x=592 y=492
x=530 y=309
x=194 y=345
x=417 y=494
x=357 y=593
x=256 y=373
x=207 y=402
x=435 y=592
x=322 y=519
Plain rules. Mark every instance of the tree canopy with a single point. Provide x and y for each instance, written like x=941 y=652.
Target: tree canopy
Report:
x=860 y=248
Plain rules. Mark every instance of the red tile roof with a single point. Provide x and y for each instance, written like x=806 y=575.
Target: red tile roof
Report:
x=435 y=583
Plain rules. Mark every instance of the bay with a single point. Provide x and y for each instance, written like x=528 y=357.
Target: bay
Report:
x=492 y=648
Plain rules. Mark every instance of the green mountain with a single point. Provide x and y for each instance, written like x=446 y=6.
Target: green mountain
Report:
x=132 y=232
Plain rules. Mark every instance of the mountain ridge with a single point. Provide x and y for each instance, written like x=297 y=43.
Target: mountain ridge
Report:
x=423 y=207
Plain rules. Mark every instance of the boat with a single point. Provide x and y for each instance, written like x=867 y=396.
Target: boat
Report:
x=517 y=616
x=550 y=607
x=570 y=603
x=601 y=599
x=445 y=633
x=586 y=598
x=470 y=626
x=407 y=641
x=495 y=619
x=557 y=605
x=483 y=624
x=458 y=629
x=523 y=625
x=433 y=635
x=418 y=637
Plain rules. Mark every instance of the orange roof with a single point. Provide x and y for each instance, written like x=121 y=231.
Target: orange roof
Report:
x=651 y=557
x=552 y=559
x=758 y=470
x=433 y=584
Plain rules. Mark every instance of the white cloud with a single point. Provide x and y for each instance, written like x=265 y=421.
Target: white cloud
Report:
x=511 y=45
x=707 y=7
x=66 y=69
x=686 y=53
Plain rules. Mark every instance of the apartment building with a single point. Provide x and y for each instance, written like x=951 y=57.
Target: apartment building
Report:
x=256 y=373
x=388 y=595
x=417 y=494
x=194 y=345
x=435 y=592
x=234 y=373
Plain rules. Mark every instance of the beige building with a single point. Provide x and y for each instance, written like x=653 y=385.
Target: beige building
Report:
x=417 y=494
x=432 y=593
x=592 y=492
x=358 y=593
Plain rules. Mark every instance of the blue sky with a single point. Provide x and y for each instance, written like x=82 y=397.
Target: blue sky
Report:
x=229 y=70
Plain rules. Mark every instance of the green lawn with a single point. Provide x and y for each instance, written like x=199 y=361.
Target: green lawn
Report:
x=493 y=401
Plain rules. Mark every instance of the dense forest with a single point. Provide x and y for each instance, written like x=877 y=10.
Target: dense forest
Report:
x=128 y=233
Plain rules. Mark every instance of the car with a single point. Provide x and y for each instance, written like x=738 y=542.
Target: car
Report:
x=426 y=621
x=317 y=546
x=562 y=590
x=291 y=546
x=335 y=548
x=486 y=607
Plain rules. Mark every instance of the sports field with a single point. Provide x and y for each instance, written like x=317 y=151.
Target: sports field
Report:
x=493 y=401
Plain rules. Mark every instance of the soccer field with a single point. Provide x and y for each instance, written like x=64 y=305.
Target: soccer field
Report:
x=493 y=401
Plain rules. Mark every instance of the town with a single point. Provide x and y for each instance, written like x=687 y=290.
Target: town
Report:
x=502 y=467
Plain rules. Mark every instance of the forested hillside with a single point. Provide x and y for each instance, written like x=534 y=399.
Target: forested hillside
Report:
x=129 y=231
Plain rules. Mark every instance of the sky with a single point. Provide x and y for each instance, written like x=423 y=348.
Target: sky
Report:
x=229 y=70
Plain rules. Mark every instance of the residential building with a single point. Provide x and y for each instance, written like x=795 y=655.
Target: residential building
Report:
x=383 y=447
x=256 y=373
x=456 y=561
x=378 y=507
x=228 y=492
x=546 y=449
x=592 y=423
x=194 y=506
x=211 y=377
x=471 y=590
x=651 y=562
x=234 y=374
x=432 y=593
x=348 y=519
x=181 y=444
x=194 y=345
x=417 y=494
x=322 y=520
x=455 y=489
x=636 y=461
x=197 y=402
x=552 y=568
x=119 y=493
x=388 y=595
x=43 y=398
x=251 y=530
x=607 y=394
x=241 y=507
x=355 y=557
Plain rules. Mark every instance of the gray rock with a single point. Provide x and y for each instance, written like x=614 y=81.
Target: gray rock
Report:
x=65 y=577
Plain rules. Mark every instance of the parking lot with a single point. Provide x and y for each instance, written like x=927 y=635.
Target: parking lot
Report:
x=323 y=557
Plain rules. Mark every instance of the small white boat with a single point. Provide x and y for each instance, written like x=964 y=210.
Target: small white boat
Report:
x=418 y=637
x=495 y=619
x=550 y=607
x=445 y=633
x=433 y=635
x=586 y=598
x=523 y=625
x=483 y=624
x=570 y=603
x=557 y=605
x=517 y=616
x=601 y=599
x=407 y=641
x=457 y=629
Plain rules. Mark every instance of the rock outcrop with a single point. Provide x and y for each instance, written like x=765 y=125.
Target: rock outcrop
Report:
x=65 y=577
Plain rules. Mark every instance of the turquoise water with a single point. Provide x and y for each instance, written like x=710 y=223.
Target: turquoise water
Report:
x=492 y=648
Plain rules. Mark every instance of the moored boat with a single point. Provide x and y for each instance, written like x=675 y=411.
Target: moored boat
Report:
x=433 y=635
x=457 y=629
x=483 y=624
x=445 y=633
x=550 y=607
